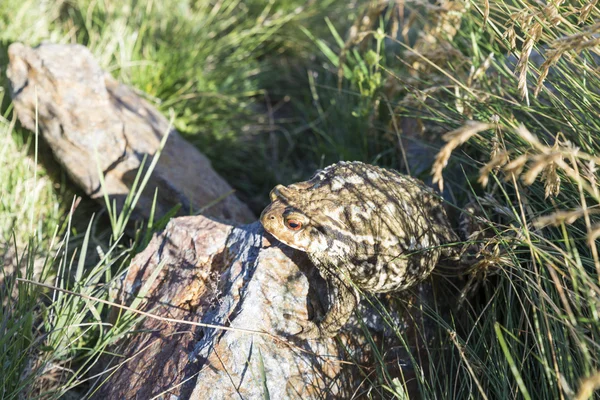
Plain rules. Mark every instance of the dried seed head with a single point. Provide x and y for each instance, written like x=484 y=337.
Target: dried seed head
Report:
x=540 y=162
x=528 y=136
x=552 y=58
x=486 y=12
x=495 y=163
x=515 y=167
x=523 y=65
x=562 y=217
x=585 y=11
x=551 y=180
x=590 y=173
x=441 y=160
x=454 y=138
x=593 y=235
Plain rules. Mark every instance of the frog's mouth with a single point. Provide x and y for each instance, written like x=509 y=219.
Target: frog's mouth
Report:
x=270 y=216
x=272 y=220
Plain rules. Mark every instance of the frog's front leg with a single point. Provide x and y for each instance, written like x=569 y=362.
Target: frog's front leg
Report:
x=343 y=298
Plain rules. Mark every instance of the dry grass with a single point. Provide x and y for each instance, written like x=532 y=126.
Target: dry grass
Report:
x=453 y=140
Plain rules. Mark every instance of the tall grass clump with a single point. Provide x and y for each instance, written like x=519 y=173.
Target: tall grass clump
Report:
x=50 y=339
x=55 y=292
x=30 y=216
x=507 y=95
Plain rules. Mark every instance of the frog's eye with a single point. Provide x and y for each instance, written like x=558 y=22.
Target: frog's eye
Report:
x=293 y=224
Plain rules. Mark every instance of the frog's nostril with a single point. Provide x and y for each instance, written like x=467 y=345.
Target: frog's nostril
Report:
x=272 y=217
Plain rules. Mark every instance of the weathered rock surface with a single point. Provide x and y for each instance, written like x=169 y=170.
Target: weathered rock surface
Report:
x=87 y=117
x=236 y=277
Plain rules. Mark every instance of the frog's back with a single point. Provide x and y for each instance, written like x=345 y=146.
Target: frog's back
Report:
x=387 y=228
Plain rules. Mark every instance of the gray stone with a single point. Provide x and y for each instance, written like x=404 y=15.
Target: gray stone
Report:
x=87 y=118
x=236 y=277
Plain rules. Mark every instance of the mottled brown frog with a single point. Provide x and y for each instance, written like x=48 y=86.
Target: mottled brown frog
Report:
x=363 y=227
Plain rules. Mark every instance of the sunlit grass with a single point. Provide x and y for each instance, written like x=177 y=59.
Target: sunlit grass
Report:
x=270 y=102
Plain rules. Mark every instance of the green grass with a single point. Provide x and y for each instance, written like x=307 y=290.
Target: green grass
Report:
x=270 y=91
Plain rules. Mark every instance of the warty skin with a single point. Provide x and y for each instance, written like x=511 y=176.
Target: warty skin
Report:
x=363 y=227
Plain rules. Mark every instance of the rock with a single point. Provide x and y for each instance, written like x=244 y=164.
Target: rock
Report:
x=236 y=277
x=87 y=117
